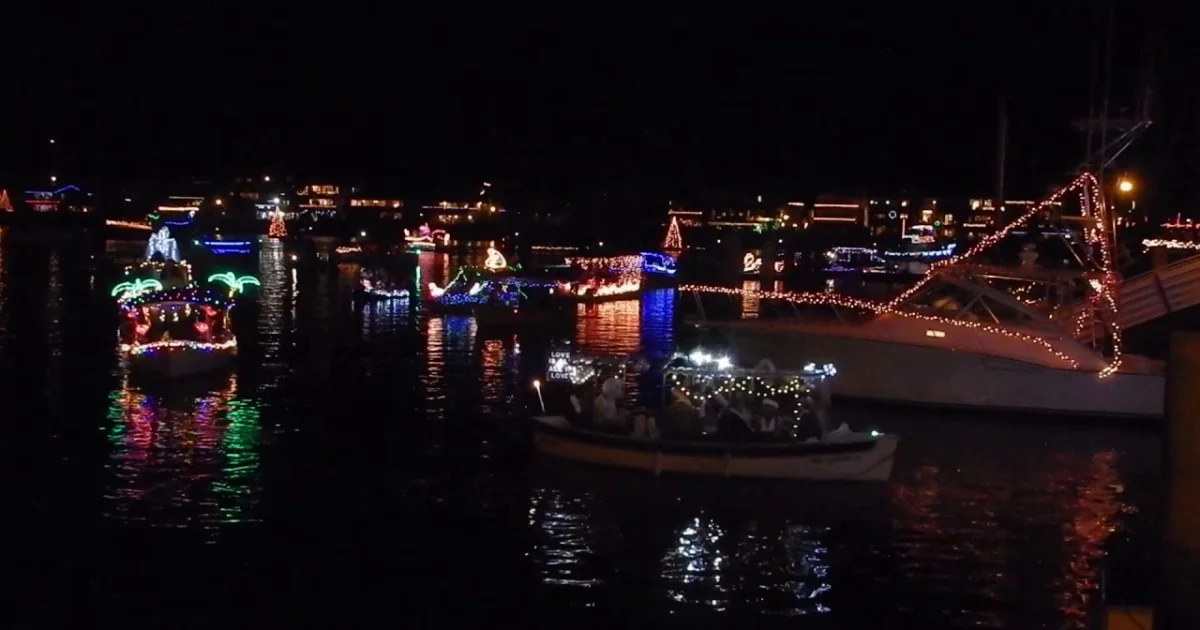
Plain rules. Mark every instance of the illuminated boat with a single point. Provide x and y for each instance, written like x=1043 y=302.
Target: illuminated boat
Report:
x=177 y=332
x=374 y=285
x=469 y=291
x=976 y=336
x=659 y=269
x=425 y=238
x=839 y=455
x=493 y=301
x=603 y=279
x=919 y=249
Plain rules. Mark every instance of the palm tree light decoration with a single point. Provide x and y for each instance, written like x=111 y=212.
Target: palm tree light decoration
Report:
x=127 y=290
x=236 y=284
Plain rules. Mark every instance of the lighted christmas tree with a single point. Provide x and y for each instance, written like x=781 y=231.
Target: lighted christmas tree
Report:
x=277 y=229
x=674 y=240
x=5 y=203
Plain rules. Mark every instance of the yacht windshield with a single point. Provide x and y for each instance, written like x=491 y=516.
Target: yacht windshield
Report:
x=959 y=302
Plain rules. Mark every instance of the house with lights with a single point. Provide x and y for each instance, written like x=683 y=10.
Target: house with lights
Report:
x=321 y=201
x=364 y=206
x=65 y=199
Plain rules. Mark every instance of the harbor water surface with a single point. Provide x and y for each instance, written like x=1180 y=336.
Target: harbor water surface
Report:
x=360 y=467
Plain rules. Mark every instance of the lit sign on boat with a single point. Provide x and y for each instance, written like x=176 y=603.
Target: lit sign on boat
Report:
x=935 y=333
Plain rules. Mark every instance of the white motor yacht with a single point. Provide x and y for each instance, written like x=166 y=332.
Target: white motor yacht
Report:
x=959 y=342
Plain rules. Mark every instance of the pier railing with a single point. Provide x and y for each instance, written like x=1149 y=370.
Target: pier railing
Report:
x=1157 y=293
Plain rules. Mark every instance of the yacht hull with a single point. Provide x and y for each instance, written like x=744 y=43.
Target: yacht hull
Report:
x=884 y=371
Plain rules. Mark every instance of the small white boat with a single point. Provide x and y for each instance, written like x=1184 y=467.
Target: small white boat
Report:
x=698 y=384
x=862 y=457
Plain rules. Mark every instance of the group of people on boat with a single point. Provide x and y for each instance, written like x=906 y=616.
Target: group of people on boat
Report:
x=736 y=418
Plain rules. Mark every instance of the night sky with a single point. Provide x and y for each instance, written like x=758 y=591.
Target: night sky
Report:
x=579 y=103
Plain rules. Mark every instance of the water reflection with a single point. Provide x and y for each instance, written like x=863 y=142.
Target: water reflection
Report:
x=449 y=345
x=750 y=300
x=273 y=295
x=998 y=525
x=179 y=459
x=778 y=568
x=657 y=323
x=563 y=552
x=4 y=237
x=608 y=328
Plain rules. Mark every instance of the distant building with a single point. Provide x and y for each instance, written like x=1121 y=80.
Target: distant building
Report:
x=322 y=201
x=450 y=213
x=67 y=198
x=364 y=207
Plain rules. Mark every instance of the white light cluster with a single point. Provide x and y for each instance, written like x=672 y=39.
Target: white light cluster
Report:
x=698 y=357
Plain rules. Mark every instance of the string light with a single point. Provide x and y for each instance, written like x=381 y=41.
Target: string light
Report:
x=1170 y=244
x=277 y=229
x=190 y=295
x=132 y=225
x=138 y=349
x=236 y=284
x=348 y=249
x=674 y=240
x=842 y=301
x=656 y=263
x=631 y=263
x=128 y=290
x=1179 y=224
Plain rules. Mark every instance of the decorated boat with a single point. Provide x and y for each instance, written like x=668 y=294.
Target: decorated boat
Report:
x=603 y=279
x=709 y=427
x=426 y=239
x=495 y=296
x=471 y=290
x=375 y=285
x=177 y=332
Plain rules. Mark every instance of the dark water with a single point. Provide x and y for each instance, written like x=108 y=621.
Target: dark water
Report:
x=356 y=470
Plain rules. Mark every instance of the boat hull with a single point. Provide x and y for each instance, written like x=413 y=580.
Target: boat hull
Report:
x=859 y=461
x=181 y=363
x=883 y=371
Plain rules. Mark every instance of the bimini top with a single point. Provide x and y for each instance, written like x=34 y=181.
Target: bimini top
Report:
x=190 y=295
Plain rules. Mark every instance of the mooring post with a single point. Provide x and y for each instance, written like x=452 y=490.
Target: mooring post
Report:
x=1180 y=573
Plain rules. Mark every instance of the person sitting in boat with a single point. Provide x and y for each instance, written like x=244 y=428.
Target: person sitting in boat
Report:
x=714 y=406
x=682 y=419
x=605 y=412
x=734 y=424
x=769 y=421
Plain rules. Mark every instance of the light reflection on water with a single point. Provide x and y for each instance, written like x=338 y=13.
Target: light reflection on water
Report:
x=983 y=525
x=179 y=460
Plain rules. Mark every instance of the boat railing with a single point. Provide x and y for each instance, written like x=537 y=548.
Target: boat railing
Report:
x=794 y=310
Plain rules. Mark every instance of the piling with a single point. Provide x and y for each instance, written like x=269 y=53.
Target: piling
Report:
x=766 y=273
x=1177 y=608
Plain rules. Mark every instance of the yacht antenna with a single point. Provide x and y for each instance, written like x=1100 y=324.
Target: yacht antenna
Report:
x=1001 y=149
